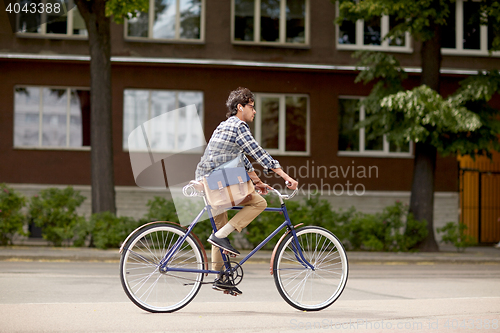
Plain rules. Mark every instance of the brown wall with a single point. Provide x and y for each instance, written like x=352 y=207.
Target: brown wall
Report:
x=323 y=88
x=218 y=44
x=38 y=166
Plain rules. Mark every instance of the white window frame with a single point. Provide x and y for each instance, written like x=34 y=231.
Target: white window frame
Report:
x=43 y=27
x=282 y=40
x=459 y=31
x=150 y=103
x=371 y=153
x=282 y=124
x=40 y=120
x=384 y=30
x=177 y=38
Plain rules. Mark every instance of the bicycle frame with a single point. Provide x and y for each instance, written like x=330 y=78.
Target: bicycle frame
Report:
x=287 y=224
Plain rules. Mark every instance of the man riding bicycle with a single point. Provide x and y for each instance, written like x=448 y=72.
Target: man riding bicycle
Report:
x=231 y=138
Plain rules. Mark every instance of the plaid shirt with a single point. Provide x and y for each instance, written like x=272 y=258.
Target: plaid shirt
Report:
x=229 y=139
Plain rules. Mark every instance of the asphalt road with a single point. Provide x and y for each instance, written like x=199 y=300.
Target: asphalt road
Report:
x=390 y=297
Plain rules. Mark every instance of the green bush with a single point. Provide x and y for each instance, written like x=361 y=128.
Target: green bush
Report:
x=161 y=209
x=312 y=211
x=383 y=231
x=54 y=210
x=415 y=232
x=11 y=218
x=316 y=211
x=454 y=233
x=109 y=231
x=356 y=231
x=319 y=212
x=264 y=224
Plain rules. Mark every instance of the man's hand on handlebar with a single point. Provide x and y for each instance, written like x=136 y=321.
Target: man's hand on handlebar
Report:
x=291 y=183
x=262 y=188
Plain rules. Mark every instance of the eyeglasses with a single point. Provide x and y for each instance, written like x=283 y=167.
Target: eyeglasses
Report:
x=252 y=106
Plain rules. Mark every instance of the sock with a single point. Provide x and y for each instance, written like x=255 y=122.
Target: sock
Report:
x=224 y=231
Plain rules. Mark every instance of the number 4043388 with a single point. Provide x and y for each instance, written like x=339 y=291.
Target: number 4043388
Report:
x=34 y=8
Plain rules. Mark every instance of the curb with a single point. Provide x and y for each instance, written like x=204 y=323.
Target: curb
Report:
x=47 y=254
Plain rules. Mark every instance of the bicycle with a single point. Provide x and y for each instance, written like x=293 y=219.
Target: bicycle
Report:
x=162 y=265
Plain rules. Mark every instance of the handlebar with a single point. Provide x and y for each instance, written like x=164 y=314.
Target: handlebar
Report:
x=285 y=196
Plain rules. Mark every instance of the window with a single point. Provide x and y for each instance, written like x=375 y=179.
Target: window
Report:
x=281 y=124
x=463 y=36
x=51 y=117
x=70 y=24
x=354 y=141
x=271 y=22
x=168 y=20
x=369 y=35
x=173 y=132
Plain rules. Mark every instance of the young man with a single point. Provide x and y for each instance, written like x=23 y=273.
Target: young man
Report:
x=230 y=138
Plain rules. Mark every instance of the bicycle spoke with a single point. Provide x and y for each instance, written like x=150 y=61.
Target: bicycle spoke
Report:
x=143 y=280
x=309 y=288
x=149 y=287
x=137 y=255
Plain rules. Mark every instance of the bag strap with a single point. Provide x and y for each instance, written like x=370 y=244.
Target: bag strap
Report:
x=242 y=188
x=221 y=190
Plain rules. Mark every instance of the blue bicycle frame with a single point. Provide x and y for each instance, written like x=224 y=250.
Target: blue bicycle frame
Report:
x=287 y=224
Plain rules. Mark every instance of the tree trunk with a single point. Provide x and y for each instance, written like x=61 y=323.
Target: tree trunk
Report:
x=422 y=190
x=431 y=59
x=101 y=139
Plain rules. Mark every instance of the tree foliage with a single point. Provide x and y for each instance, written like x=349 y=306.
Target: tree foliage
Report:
x=462 y=123
x=453 y=233
x=490 y=15
x=121 y=9
x=418 y=17
x=446 y=125
x=422 y=115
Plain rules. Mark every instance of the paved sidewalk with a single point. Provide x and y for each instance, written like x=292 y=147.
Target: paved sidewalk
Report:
x=37 y=252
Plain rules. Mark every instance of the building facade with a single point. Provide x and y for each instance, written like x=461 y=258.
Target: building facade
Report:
x=183 y=52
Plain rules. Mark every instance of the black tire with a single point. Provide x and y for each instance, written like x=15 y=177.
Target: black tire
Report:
x=141 y=278
x=305 y=288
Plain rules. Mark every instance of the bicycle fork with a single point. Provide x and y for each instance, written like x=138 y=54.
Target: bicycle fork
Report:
x=297 y=249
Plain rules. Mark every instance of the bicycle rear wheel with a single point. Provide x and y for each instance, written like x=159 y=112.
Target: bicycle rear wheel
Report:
x=145 y=285
x=299 y=285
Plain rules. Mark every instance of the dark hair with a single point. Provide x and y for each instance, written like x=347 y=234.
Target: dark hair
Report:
x=238 y=96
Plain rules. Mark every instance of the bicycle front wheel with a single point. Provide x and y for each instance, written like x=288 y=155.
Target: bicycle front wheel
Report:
x=307 y=288
x=143 y=281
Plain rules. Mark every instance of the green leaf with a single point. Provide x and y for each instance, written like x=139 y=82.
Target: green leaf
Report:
x=415 y=16
x=11 y=218
x=121 y=9
x=463 y=123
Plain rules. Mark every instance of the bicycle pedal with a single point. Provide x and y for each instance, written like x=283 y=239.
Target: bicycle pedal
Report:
x=231 y=255
x=235 y=291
